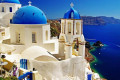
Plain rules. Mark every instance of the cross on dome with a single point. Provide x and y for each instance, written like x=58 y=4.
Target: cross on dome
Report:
x=71 y=4
x=29 y=3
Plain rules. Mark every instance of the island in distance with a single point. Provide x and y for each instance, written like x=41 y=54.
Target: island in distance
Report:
x=99 y=20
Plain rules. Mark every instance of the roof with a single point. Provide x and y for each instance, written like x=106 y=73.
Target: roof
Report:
x=29 y=15
x=11 y=1
x=72 y=14
x=37 y=53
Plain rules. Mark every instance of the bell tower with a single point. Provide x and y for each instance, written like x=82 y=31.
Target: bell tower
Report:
x=71 y=34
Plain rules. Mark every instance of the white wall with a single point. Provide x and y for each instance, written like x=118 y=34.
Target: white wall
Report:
x=26 y=35
x=7 y=15
x=74 y=67
x=6 y=8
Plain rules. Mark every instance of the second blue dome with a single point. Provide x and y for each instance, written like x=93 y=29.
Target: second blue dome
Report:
x=29 y=15
x=72 y=14
x=10 y=1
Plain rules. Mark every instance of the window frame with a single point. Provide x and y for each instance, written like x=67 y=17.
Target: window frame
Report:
x=34 y=39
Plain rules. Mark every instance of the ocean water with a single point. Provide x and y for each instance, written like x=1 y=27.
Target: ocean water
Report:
x=107 y=62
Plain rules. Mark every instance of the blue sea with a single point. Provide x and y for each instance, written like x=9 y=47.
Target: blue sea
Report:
x=107 y=62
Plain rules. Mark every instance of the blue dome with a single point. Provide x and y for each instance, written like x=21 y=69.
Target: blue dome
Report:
x=68 y=15
x=10 y=1
x=29 y=15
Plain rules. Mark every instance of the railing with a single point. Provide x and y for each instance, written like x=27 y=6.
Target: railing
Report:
x=23 y=63
x=26 y=76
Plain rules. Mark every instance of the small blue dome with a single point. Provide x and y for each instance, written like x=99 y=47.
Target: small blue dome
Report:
x=29 y=15
x=10 y=1
x=72 y=14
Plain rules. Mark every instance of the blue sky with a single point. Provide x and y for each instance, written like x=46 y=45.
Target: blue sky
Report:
x=56 y=8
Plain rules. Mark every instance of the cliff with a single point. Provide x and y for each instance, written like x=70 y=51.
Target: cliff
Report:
x=89 y=20
x=55 y=27
x=100 y=20
x=88 y=56
x=110 y=20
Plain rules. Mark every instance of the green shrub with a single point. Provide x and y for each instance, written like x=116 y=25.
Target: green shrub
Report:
x=9 y=78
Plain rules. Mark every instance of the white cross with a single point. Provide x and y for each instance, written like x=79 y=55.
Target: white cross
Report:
x=29 y=3
x=71 y=4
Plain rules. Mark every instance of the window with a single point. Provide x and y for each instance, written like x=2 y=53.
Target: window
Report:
x=46 y=35
x=17 y=37
x=33 y=37
x=3 y=9
x=72 y=15
x=69 y=27
x=10 y=9
x=77 y=27
x=62 y=27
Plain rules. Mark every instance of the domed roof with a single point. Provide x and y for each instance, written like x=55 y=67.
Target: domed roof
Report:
x=72 y=14
x=29 y=15
x=37 y=53
x=10 y=1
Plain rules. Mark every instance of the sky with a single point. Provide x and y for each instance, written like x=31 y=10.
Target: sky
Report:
x=56 y=8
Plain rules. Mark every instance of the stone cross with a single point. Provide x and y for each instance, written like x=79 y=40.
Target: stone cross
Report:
x=71 y=4
x=29 y=3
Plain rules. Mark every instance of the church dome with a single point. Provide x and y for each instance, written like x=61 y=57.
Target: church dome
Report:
x=10 y=1
x=72 y=14
x=29 y=15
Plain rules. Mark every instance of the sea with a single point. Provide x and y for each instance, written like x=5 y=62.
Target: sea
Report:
x=107 y=58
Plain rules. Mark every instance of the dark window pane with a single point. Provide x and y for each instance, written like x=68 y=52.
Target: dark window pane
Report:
x=2 y=9
x=10 y=9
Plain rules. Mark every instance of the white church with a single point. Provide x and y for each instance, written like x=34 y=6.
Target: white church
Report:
x=25 y=40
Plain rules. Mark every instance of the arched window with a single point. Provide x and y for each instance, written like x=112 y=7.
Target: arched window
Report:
x=10 y=9
x=69 y=27
x=72 y=15
x=17 y=37
x=62 y=27
x=46 y=35
x=77 y=27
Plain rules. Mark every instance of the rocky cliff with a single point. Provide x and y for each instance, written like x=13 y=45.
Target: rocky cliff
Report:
x=89 y=20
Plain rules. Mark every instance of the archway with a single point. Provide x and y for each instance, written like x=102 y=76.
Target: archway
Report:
x=62 y=29
x=69 y=27
x=75 y=47
x=77 y=28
